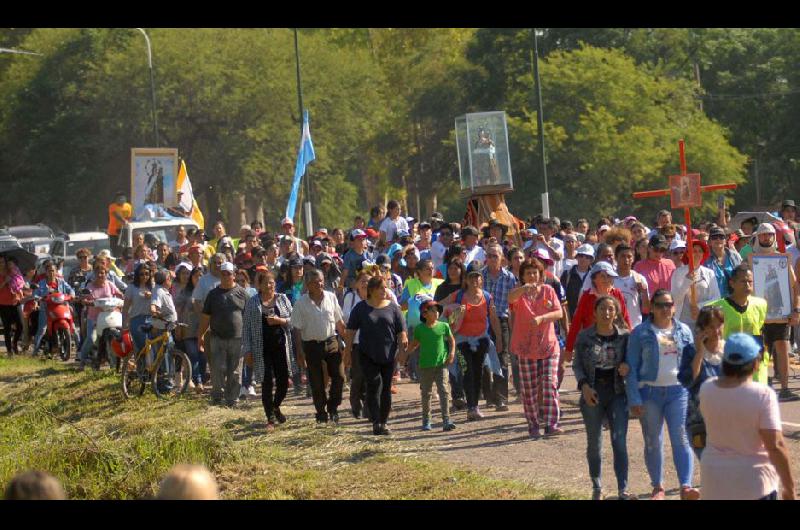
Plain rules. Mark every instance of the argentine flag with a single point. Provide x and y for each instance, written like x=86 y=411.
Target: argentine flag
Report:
x=304 y=157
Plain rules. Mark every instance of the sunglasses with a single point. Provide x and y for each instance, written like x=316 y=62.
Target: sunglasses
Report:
x=664 y=305
x=493 y=256
x=717 y=238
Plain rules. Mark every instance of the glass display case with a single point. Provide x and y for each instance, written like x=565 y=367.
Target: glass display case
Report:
x=483 y=160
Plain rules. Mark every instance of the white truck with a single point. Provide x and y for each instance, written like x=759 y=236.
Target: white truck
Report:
x=161 y=229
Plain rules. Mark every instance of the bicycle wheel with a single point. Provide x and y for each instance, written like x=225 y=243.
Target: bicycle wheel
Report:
x=133 y=378
x=176 y=380
x=64 y=344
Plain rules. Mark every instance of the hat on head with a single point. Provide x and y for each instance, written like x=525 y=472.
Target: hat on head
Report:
x=323 y=258
x=765 y=228
x=603 y=228
x=602 y=266
x=585 y=249
x=423 y=225
x=372 y=233
x=227 y=267
x=543 y=255
x=383 y=259
x=658 y=241
x=495 y=222
x=437 y=216
x=752 y=220
x=316 y=243
x=716 y=231
x=788 y=203
x=309 y=260
x=295 y=262
x=262 y=268
x=403 y=233
x=426 y=301
x=469 y=230
x=357 y=234
x=287 y=221
x=677 y=244
x=475 y=268
x=183 y=265
x=740 y=349
x=706 y=252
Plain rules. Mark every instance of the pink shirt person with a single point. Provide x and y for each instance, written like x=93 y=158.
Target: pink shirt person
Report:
x=527 y=339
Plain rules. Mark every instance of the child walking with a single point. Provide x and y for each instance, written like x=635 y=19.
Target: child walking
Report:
x=437 y=348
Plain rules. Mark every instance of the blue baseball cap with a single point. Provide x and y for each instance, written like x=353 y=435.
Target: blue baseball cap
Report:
x=603 y=266
x=740 y=348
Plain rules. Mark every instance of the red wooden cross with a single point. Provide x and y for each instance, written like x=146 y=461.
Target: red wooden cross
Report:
x=685 y=193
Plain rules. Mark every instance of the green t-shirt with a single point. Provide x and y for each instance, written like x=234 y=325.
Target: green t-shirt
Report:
x=433 y=349
x=746 y=251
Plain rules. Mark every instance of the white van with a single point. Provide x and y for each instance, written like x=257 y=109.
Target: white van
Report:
x=65 y=247
x=162 y=230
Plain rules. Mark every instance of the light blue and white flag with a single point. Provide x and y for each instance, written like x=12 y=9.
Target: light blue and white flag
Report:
x=304 y=157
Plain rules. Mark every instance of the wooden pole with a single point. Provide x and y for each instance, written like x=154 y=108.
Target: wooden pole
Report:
x=689 y=239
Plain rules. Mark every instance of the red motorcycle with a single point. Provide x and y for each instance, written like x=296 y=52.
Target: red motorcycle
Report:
x=60 y=325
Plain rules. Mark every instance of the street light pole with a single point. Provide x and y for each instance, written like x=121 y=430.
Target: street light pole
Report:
x=152 y=83
x=540 y=121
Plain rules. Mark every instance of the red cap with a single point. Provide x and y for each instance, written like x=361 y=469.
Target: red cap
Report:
x=372 y=233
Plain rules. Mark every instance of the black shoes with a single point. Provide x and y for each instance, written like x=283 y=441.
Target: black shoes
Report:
x=279 y=416
x=380 y=429
x=334 y=417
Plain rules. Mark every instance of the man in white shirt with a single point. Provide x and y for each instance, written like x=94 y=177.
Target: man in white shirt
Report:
x=440 y=246
x=316 y=317
x=393 y=222
x=554 y=247
x=631 y=284
x=570 y=248
x=469 y=238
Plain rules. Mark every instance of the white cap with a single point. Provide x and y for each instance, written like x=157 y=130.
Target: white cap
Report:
x=765 y=228
x=586 y=249
x=227 y=267
x=676 y=244
x=287 y=221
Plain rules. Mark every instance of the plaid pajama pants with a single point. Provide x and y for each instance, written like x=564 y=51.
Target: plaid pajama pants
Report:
x=539 y=377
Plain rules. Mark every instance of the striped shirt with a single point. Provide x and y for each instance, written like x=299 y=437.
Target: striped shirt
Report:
x=499 y=287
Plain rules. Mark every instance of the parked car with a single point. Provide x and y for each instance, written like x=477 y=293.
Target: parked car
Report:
x=162 y=230
x=36 y=238
x=65 y=247
x=8 y=241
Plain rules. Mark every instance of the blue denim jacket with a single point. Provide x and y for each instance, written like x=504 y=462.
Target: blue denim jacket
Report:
x=642 y=355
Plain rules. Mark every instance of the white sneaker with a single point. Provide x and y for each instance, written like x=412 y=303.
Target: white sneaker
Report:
x=243 y=392
x=251 y=391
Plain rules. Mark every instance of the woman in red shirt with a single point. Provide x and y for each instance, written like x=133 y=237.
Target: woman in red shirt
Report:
x=602 y=275
x=11 y=283
x=536 y=307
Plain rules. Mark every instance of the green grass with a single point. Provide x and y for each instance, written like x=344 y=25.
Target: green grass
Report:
x=77 y=426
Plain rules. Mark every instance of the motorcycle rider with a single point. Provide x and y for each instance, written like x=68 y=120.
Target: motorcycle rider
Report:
x=99 y=287
x=77 y=279
x=51 y=283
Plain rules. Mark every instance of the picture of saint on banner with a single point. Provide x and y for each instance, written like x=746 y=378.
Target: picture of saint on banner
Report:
x=153 y=173
x=685 y=191
x=771 y=281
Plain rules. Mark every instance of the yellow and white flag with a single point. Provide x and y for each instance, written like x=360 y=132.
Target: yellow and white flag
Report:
x=186 y=201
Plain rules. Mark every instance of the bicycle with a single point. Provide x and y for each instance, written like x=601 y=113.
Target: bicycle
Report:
x=136 y=374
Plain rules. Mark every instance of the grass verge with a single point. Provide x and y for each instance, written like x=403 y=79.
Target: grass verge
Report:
x=78 y=426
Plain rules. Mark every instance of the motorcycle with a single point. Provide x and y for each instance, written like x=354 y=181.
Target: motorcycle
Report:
x=107 y=329
x=60 y=325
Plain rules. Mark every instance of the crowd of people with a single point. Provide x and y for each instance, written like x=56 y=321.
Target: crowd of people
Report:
x=477 y=312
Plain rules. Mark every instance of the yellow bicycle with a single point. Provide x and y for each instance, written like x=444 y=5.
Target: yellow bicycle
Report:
x=172 y=381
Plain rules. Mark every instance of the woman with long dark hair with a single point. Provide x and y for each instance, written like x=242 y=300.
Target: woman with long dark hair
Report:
x=11 y=283
x=136 y=309
x=266 y=336
x=600 y=371
x=187 y=337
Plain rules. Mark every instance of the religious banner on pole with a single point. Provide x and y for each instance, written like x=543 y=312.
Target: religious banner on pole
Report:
x=153 y=177
x=685 y=191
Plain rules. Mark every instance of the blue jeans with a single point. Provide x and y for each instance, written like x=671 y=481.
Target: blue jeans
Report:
x=196 y=357
x=137 y=335
x=247 y=375
x=666 y=403
x=40 y=331
x=86 y=347
x=613 y=407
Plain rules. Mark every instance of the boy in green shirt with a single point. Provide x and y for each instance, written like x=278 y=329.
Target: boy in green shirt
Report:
x=437 y=348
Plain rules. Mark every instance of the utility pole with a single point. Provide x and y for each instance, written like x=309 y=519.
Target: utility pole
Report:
x=540 y=121
x=152 y=83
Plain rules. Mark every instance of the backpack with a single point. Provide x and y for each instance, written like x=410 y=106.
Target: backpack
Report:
x=457 y=317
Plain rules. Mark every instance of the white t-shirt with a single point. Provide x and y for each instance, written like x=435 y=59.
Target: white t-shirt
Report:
x=556 y=268
x=627 y=285
x=476 y=254
x=391 y=226
x=567 y=264
x=438 y=251
x=735 y=463
x=667 y=358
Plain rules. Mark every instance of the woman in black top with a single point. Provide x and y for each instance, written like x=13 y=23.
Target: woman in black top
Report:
x=266 y=337
x=456 y=271
x=381 y=326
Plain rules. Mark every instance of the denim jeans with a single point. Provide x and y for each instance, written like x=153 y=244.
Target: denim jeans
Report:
x=613 y=407
x=86 y=347
x=247 y=375
x=42 y=327
x=666 y=403
x=457 y=381
x=138 y=336
x=196 y=357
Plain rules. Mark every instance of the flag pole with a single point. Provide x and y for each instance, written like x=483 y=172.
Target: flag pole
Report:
x=307 y=205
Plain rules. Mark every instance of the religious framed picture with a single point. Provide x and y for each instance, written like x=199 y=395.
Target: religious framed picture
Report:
x=772 y=282
x=153 y=177
x=685 y=191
